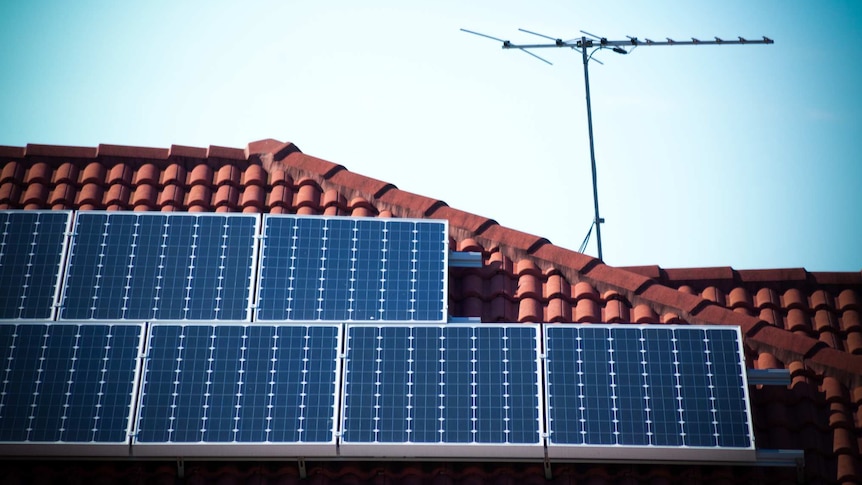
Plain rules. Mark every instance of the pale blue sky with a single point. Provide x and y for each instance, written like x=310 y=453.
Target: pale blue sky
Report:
x=743 y=156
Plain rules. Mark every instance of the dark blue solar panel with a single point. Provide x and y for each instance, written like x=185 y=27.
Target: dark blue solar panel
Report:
x=441 y=384
x=158 y=266
x=70 y=383
x=352 y=269
x=646 y=386
x=32 y=244
x=239 y=384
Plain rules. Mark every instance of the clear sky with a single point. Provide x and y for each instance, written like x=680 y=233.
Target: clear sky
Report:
x=743 y=156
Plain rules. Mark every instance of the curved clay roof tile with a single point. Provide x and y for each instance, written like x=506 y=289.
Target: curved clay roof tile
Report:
x=559 y=310
x=67 y=173
x=588 y=311
x=254 y=174
x=201 y=174
x=529 y=286
x=767 y=298
x=173 y=174
x=740 y=298
x=119 y=173
x=147 y=173
x=12 y=171
x=530 y=310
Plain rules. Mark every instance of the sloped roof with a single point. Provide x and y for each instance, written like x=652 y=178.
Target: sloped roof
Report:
x=791 y=318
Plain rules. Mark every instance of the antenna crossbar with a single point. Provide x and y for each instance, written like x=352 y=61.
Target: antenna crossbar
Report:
x=633 y=42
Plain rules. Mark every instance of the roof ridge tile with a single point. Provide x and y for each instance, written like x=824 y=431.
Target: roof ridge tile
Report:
x=126 y=151
x=226 y=153
x=182 y=151
x=412 y=205
x=12 y=152
x=36 y=150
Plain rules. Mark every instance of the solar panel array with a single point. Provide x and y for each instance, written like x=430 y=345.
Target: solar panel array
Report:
x=352 y=269
x=245 y=385
x=175 y=368
x=648 y=388
x=408 y=386
x=32 y=246
x=67 y=388
x=160 y=266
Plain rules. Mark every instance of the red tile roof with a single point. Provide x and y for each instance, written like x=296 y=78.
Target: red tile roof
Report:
x=806 y=322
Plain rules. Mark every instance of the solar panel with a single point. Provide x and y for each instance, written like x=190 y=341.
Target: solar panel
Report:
x=67 y=389
x=32 y=245
x=445 y=391
x=160 y=266
x=352 y=269
x=647 y=392
x=239 y=390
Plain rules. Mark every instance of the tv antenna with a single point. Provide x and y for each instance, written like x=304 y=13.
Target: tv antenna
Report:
x=587 y=45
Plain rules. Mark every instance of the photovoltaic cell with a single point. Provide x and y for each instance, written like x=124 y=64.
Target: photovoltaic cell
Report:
x=431 y=385
x=32 y=245
x=352 y=269
x=66 y=384
x=646 y=386
x=160 y=266
x=238 y=384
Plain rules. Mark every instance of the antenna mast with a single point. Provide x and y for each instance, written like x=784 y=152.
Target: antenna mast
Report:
x=584 y=44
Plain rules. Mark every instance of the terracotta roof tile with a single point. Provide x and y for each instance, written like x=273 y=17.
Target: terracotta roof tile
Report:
x=406 y=204
x=253 y=198
x=144 y=196
x=530 y=310
x=280 y=196
x=359 y=207
x=7 y=152
x=174 y=173
x=460 y=220
x=121 y=151
x=854 y=343
x=54 y=151
x=360 y=185
x=644 y=314
x=228 y=174
x=616 y=311
x=12 y=172
x=522 y=242
x=311 y=165
x=66 y=173
x=529 y=286
x=565 y=260
x=767 y=275
x=558 y=286
x=226 y=153
x=172 y=196
x=587 y=311
x=118 y=195
x=199 y=196
x=559 y=310
x=308 y=196
x=715 y=295
x=201 y=174
x=63 y=195
x=740 y=298
x=227 y=197
x=254 y=175
x=181 y=151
